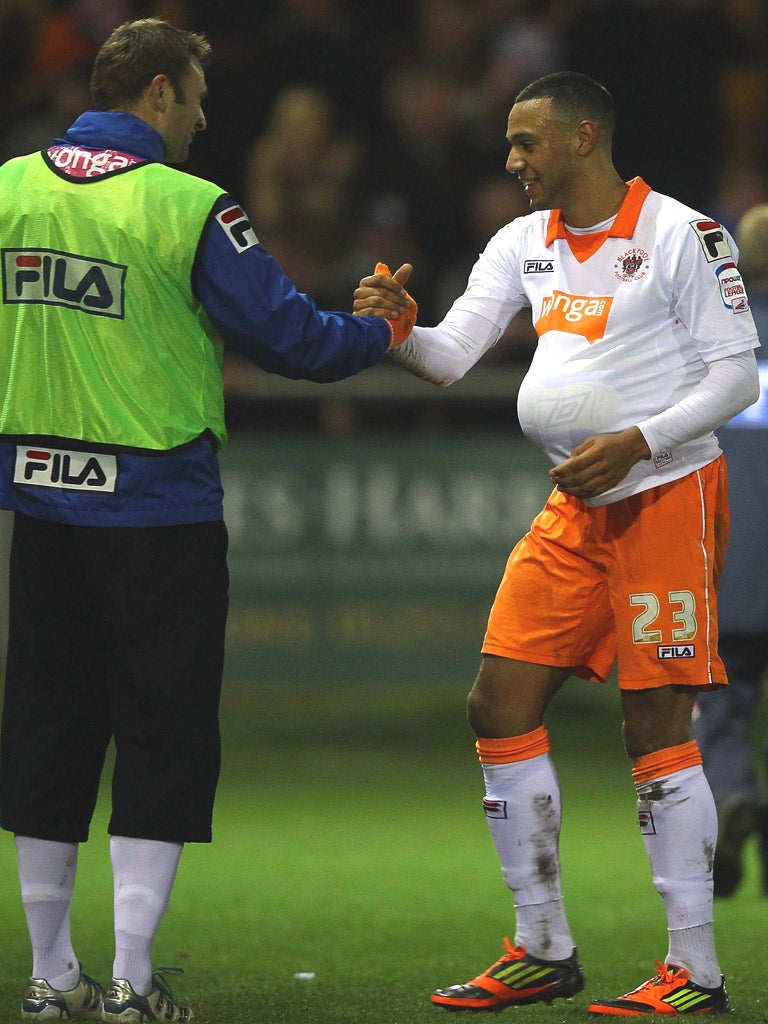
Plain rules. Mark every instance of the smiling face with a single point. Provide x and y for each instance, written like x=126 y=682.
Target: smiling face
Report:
x=182 y=116
x=542 y=153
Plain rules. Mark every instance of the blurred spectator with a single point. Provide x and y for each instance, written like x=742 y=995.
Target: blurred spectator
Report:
x=420 y=157
x=670 y=65
x=410 y=137
x=522 y=44
x=494 y=202
x=300 y=184
x=62 y=98
x=724 y=723
x=41 y=41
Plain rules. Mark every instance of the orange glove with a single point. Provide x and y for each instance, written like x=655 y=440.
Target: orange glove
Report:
x=402 y=327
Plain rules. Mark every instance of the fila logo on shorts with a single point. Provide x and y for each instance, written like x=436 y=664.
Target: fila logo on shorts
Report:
x=664 y=652
x=72 y=471
x=54 y=278
x=236 y=226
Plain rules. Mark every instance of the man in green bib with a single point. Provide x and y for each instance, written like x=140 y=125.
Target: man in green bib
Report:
x=122 y=280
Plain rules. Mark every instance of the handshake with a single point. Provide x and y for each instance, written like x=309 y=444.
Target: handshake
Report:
x=383 y=294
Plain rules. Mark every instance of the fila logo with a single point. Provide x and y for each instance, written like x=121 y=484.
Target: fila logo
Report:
x=72 y=471
x=495 y=808
x=665 y=652
x=586 y=315
x=237 y=228
x=53 y=278
x=712 y=238
x=645 y=818
x=538 y=267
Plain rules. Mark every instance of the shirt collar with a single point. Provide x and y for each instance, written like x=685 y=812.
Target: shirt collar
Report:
x=626 y=219
x=115 y=129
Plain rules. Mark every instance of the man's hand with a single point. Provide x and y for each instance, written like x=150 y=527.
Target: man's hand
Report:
x=599 y=463
x=383 y=294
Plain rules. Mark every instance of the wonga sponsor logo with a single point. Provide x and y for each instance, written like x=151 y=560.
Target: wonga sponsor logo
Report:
x=575 y=314
x=53 y=278
x=74 y=471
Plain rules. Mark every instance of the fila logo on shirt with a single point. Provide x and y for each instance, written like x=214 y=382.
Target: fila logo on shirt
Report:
x=236 y=226
x=586 y=315
x=539 y=267
x=72 y=471
x=53 y=278
x=712 y=238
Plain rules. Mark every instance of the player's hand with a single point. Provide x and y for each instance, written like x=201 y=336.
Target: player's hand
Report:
x=383 y=294
x=600 y=463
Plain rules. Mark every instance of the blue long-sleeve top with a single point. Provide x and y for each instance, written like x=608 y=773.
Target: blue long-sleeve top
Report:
x=259 y=313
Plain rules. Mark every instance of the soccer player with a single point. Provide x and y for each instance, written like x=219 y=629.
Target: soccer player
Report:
x=645 y=343
x=724 y=719
x=122 y=278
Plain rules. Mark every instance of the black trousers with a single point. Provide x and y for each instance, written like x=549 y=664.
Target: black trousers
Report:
x=113 y=632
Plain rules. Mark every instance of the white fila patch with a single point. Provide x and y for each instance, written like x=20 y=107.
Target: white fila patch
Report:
x=495 y=808
x=712 y=238
x=645 y=818
x=72 y=471
x=236 y=226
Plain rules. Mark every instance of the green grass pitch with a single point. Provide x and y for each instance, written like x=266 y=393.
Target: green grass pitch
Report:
x=350 y=843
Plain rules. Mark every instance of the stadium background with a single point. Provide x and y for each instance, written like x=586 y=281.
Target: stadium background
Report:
x=370 y=519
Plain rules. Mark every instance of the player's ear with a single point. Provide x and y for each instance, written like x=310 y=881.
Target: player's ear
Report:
x=159 y=93
x=586 y=137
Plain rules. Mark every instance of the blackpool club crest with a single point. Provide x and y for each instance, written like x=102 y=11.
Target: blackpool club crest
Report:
x=631 y=265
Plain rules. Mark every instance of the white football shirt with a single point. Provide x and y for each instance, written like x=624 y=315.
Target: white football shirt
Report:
x=627 y=322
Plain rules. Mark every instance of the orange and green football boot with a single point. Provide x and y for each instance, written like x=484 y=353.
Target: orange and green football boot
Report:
x=518 y=979
x=668 y=994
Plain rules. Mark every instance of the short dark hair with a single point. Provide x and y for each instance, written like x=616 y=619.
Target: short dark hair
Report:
x=578 y=96
x=138 y=51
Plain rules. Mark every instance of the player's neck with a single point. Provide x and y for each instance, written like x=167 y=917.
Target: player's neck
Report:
x=598 y=201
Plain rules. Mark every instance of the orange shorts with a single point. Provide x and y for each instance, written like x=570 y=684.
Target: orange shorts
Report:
x=634 y=582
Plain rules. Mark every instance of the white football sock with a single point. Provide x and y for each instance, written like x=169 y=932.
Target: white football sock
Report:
x=47 y=878
x=678 y=820
x=144 y=872
x=524 y=813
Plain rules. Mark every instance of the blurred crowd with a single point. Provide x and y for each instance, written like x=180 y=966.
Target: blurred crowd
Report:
x=356 y=131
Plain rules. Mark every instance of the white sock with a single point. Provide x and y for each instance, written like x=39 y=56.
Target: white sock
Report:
x=678 y=820
x=47 y=879
x=144 y=872
x=524 y=813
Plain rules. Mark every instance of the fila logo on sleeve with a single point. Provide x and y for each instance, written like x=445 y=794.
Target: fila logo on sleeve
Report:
x=70 y=470
x=236 y=226
x=712 y=238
